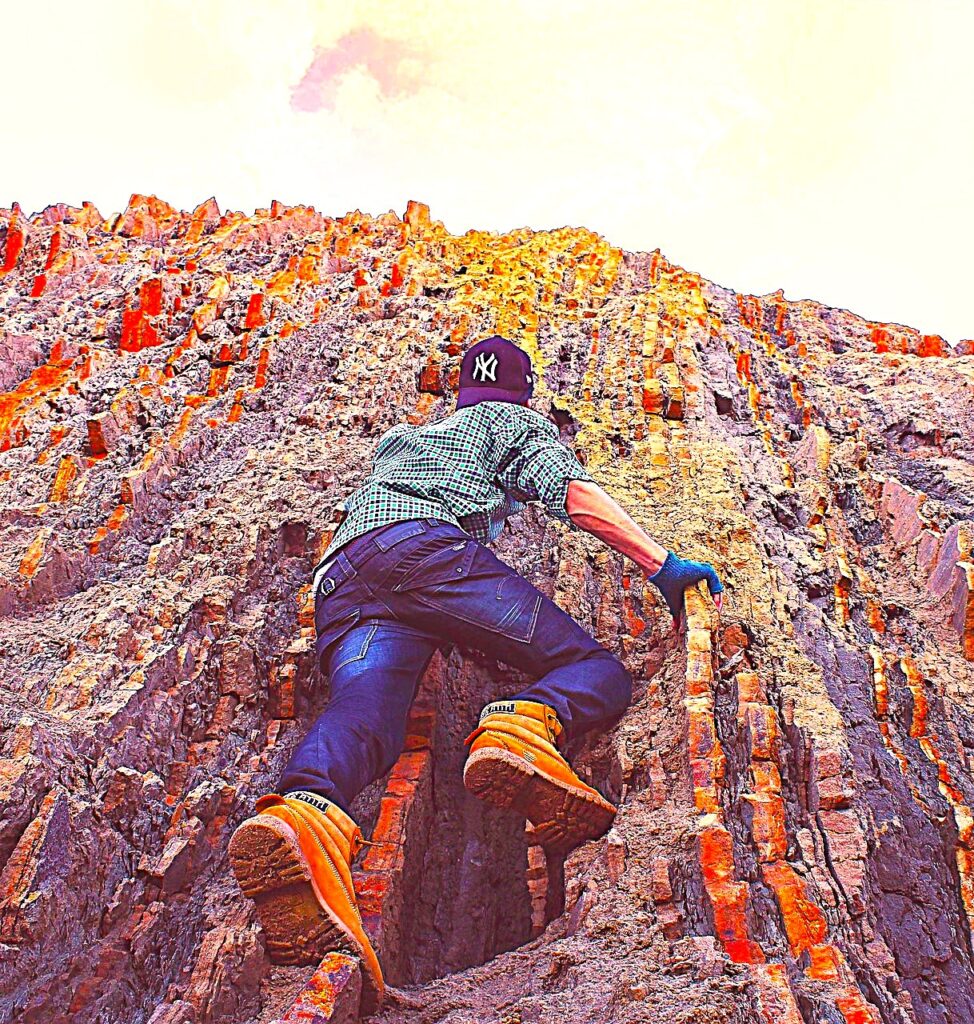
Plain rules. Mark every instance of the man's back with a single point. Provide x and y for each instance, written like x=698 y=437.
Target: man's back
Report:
x=475 y=467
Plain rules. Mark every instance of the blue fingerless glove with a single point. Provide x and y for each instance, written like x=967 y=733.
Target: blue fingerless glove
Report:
x=676 y=574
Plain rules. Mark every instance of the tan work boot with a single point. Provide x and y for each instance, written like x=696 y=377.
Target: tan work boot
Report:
x=513 y=763
x=293 y=859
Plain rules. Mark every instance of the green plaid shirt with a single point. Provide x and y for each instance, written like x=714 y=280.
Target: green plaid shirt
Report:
x=473 y=468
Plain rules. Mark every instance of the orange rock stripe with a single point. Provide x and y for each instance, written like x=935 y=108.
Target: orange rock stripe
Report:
x=728 y=897
x=804 y=921
x=963 y=817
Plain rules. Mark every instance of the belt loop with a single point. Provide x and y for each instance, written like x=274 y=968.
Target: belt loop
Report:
x=341 y=559
x=338 y=570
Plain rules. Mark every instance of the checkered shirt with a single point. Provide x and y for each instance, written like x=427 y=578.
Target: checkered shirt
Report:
x=473 y=468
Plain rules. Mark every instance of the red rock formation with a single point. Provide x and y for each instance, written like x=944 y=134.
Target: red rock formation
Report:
x=186 y=399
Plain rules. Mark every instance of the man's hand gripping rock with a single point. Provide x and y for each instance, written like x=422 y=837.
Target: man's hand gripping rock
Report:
x=673 y=578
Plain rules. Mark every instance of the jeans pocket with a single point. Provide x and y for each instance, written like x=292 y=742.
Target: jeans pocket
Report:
x=353 y=647
x=479 y=589
x=450 y=559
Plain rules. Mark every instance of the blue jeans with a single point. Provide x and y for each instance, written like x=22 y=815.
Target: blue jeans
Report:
x=388 y=599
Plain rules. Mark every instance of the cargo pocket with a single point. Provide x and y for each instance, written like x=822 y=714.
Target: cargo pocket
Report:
x=519 y=603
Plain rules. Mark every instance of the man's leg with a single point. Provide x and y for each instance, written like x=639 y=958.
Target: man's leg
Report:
x=374 y=672
x=461 y=590
x=294 y=856
x=465 y=593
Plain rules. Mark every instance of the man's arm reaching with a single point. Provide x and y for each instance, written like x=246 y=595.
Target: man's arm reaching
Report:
x=536 y=466
x=602 y=516
x=594 y=511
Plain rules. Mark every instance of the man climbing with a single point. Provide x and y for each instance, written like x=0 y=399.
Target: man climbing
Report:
x=408 y=572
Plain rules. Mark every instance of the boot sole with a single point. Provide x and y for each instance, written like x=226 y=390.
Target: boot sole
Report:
x=563 y=816
x=299 y=926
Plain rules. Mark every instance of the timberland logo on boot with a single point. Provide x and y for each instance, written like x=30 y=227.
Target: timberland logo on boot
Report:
x=485 y=367
x=500 y=708
x=316 y=801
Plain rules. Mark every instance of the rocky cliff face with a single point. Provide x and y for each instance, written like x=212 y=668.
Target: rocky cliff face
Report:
x=187 y=399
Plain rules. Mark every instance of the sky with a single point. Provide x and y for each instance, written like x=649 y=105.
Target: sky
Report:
x=825 y=148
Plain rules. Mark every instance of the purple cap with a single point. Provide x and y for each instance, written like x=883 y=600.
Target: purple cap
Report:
x=495 y=370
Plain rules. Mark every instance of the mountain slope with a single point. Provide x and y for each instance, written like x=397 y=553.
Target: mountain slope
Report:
x=188 y=398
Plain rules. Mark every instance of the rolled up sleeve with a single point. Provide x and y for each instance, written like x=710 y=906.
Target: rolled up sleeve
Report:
x=538 y=467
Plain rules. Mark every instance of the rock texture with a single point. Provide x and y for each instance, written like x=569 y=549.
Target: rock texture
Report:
x=187 y=398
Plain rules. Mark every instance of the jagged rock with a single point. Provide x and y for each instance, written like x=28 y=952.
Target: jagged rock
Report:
x=187 y=400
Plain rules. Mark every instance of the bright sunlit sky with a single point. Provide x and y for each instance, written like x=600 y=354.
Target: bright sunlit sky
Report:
x=825 y=147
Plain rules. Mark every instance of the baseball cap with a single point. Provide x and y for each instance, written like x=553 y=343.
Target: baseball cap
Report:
x=495 y=370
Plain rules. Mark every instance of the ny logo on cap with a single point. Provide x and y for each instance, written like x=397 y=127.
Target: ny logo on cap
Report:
x=486 y=366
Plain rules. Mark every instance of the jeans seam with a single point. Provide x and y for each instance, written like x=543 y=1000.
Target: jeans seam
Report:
x=415 y=531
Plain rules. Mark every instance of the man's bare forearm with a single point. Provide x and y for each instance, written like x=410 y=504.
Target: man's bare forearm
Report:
x=590 y=508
